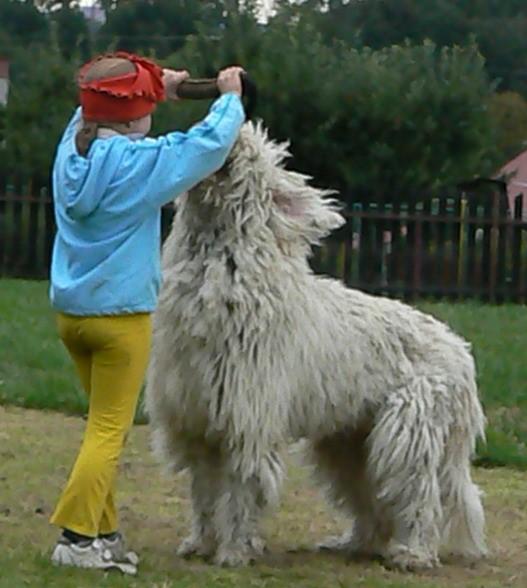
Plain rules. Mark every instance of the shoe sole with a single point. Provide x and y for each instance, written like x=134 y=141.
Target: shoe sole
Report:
x=128 y=569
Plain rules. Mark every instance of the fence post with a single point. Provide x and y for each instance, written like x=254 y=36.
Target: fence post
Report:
x=356 y=236
x=517 y=229
x=461 y=242
x=417 y=256
x=34 y=204
x=364 y=245
x=494 y=231
x=454 y=211
x=409 y=273
x=49 y=231
x=394 y=257
x=472 y=272
x=17 y=233
x=348 y=248
x=504 y=231
x=443 y=267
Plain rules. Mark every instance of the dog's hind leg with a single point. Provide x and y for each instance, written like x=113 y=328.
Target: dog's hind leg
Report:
x=242 y=501
x=406 y=447
x=464 y=519
x=341 y=467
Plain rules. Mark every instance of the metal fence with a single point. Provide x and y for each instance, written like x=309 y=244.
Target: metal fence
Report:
x=464 y=243
x=458 y=245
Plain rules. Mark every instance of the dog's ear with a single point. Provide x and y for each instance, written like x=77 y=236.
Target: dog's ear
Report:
x=288 y=205
x=307 y=212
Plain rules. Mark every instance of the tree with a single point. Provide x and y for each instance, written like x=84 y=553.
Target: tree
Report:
x=381 y=23
x=395 y=122
x=499 y=28
x=22 y=24
x=492 y=8
x=152 y=26
x=509 y=113
x=41 y=101
x=503 y=42
x=72 y=31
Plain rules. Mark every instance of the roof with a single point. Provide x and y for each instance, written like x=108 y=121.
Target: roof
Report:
x=496 y=183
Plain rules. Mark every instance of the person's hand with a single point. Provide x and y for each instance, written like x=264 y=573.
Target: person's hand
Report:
x=171 y=80
x=229 y=80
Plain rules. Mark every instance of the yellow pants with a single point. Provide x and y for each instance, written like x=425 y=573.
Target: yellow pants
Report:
x=111 y=355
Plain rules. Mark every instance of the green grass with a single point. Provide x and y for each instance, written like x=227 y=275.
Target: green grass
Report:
x=36 y=372
x=498 y=335
x=37 y=449
x=35 y=369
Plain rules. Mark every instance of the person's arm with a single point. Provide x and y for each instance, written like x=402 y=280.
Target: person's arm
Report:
x=72 y=125
x=174 y=163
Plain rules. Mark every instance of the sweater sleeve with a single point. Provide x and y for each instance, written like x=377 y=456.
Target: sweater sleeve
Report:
x=174 y=163
x=71 y=128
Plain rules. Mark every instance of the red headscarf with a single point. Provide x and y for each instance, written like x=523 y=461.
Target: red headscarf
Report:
x=125 y=97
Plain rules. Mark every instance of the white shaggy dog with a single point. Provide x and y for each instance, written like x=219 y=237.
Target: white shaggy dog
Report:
x=251 y=350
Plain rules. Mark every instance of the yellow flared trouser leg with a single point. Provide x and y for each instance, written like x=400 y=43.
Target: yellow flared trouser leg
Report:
x=111 y=356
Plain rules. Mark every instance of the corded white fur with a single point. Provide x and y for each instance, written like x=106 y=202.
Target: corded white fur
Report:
x=251 y=350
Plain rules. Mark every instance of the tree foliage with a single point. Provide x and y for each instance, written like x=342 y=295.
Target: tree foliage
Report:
x=72 y=32
x=21 y=24
x=41 y=101
x=159 y=27
x=392 y=120
x=498 y=27
x=508 y=110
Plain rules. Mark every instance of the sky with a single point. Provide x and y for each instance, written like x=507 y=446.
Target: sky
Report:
x=266 y=6
x=265 y=3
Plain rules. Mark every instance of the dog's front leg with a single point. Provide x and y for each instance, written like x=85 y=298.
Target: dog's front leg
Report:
x=206 y=472
x=243 y=499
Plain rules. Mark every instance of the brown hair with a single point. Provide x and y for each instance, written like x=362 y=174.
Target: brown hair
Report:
x=106 y=67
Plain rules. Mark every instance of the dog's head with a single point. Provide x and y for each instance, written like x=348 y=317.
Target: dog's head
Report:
x=253 y=194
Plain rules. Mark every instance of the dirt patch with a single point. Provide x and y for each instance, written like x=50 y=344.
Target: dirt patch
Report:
x=37 y=450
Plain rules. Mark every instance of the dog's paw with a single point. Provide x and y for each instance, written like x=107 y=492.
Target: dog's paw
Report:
x=407 y=560
x=350 y=545
x=233 y=557
x=195 y=546
x=257 y=545
x=336 y=542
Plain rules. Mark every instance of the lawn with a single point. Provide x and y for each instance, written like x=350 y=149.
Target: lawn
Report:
x=35 y=371
x=37 y=449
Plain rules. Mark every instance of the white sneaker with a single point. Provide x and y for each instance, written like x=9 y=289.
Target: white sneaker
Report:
x=88 y=555
x=117 y=547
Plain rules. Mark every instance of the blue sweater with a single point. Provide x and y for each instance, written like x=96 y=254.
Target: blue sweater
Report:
x=106 y=255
